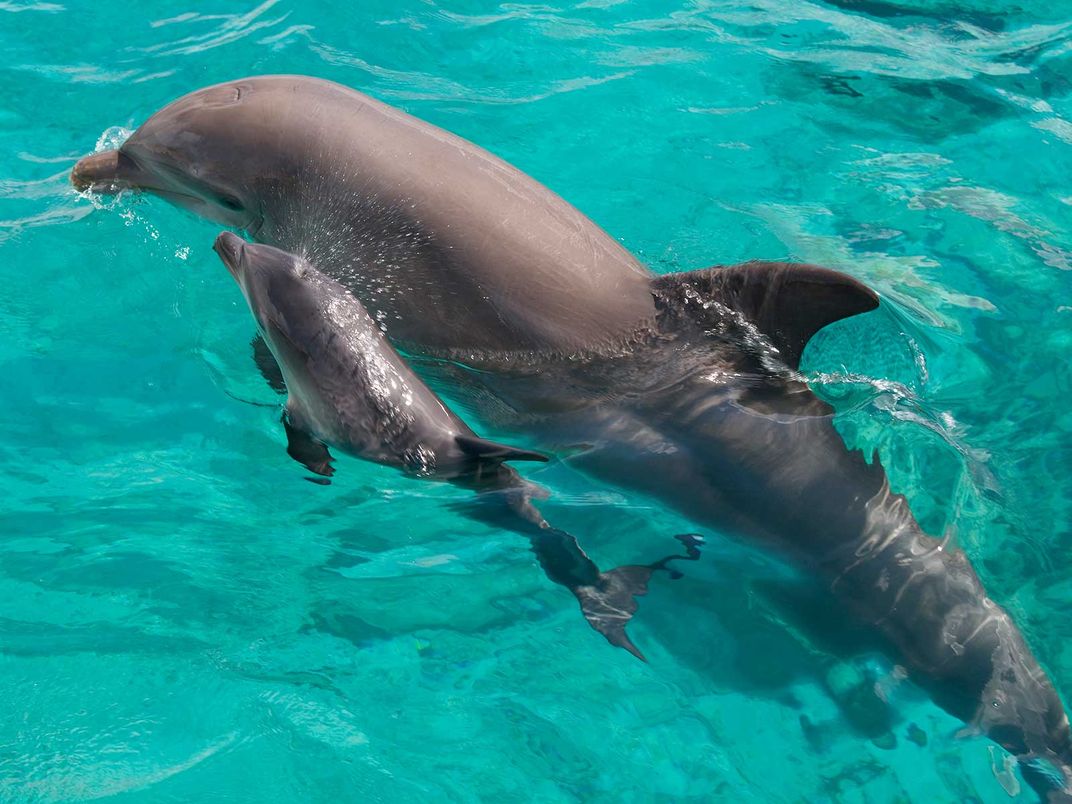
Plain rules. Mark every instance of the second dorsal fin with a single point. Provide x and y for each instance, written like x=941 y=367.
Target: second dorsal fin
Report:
x=787 y=302
x=484 y=450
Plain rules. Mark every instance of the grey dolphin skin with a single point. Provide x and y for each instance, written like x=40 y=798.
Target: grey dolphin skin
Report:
x=683 y=387
x=348 y=388
x=419 y=222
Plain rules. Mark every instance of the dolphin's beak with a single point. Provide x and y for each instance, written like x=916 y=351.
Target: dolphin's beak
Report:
x=105 y=172
x=230 y=246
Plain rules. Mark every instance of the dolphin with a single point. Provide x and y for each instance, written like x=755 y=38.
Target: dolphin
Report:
x=348 y=388
x=685 y=387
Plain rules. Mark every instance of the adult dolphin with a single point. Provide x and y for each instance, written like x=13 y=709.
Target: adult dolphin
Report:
x=683 y=386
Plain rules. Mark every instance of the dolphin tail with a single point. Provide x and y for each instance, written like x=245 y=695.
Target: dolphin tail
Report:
x=608 y=599
x=609 y=604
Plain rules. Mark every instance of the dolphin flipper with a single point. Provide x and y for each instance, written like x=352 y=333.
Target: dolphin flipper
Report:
x=787 y=302
x=309 y=452
x=267 y=365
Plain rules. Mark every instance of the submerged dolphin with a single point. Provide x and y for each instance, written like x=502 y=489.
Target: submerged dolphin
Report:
x=681 y=386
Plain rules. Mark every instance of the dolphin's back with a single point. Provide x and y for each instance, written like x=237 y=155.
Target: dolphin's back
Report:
x=450 y=247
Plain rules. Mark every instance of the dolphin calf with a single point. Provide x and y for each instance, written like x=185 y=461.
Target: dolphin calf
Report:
x=347 y=387
x=684 y=387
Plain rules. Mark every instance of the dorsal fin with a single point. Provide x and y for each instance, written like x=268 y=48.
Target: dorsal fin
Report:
x=484 y=450
x=788 y=302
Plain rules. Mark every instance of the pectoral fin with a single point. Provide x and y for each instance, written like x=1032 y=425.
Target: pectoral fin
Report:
x=786 y=302
x=267 y=365
x=309 y=452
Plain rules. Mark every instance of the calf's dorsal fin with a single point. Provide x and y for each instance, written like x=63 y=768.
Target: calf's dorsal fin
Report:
x=484 y=450
x=787 y=302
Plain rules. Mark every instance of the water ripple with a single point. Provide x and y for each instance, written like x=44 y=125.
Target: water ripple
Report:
x=231 y=28
x=15 y=8
x=182 y=614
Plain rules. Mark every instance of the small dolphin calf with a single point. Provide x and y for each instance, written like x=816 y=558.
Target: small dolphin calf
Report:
x=347 y=387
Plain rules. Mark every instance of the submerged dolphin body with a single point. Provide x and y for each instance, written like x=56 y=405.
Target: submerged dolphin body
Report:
x=681 y=386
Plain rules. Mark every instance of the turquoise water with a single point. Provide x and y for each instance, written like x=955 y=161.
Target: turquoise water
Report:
x=183 y=618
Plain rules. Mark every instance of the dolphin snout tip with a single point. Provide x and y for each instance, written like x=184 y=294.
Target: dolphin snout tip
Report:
x=99 y=172
x=229 y=246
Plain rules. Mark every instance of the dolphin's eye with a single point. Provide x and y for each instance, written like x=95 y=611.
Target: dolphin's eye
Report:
x=229 y=202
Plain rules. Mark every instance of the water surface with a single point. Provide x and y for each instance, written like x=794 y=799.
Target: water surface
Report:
x=182 y=617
